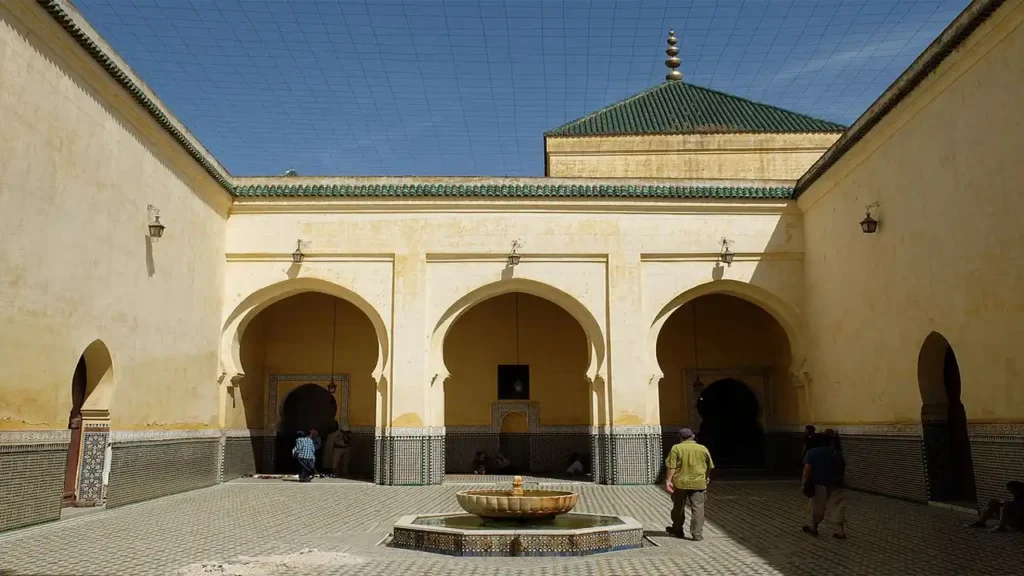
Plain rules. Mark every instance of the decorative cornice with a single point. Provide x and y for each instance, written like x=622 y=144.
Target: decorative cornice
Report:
x=247 y=433
x=996 y=429
x=56 y=9
x=420 y=431
x=959 y=30
x=913 y=430
x=8 y=437
x=125 y=436
x=538 y=190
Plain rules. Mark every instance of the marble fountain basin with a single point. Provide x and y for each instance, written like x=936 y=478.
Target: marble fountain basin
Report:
x=524 y=504
x=517 y=522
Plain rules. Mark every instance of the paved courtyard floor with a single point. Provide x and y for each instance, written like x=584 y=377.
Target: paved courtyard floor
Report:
x=256 y=527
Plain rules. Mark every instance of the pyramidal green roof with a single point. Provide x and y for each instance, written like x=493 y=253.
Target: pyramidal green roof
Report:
x=681 y=108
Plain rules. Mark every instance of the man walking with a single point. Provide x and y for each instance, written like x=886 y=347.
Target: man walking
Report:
x=824 y=469
x=689 y=466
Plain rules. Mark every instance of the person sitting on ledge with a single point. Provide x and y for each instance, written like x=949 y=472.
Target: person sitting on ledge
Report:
x=480 y=463
x=575 y=466
x=1010 y=513
x=502 y=465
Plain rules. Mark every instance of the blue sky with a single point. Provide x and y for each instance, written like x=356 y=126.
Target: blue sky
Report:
x=468 y=87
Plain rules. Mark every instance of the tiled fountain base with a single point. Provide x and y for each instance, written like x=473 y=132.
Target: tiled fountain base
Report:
x=467 y=535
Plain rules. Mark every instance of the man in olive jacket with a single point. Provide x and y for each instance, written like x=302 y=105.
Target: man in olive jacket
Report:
x=689 y=467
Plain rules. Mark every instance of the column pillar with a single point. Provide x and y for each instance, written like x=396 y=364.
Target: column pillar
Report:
x=628 y=445
x=409 y=449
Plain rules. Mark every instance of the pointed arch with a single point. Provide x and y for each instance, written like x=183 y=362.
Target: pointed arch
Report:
x=239 y=319
x=595 y=335
x=100 y=383
x=784 y=313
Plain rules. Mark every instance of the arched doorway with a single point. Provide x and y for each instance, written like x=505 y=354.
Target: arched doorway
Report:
x=950 y=466
x=91 y=388
x=517 y=385
x=306 y=408
x=725 y=364
x=728 y=424
x=291 y=352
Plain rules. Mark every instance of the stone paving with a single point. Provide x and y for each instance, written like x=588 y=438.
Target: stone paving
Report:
x=753 y=528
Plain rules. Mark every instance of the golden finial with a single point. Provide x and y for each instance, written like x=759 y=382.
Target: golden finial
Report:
x=673 y=61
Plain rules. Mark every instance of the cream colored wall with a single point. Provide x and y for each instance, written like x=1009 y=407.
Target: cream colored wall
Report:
x=79 y=162
x=945 y=167
x=732 y=333
x=706 y=156
x=294 y=336
x=548 y=339
x=615 y=266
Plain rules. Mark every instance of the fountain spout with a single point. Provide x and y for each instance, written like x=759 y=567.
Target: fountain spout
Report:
x=517 y=486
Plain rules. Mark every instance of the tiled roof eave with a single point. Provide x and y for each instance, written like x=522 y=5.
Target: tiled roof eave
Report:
x=692 y=133
x=513 y=192
x=67 y=22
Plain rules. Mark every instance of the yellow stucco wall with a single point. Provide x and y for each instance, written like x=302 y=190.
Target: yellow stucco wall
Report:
x=293 y=336
x=945 y=167
x=731 y=334
x=616 y=264
x=711 y=156
x=79 y=163
x=551 y=342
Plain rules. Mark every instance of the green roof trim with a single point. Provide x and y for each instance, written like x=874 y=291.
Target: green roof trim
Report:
x=681 y=108
x=512 y=191
x=67 y=22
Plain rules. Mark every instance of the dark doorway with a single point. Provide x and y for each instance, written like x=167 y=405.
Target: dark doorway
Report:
x=729 y=426
x=308 y=406
x=947 y=446
x=79 y=382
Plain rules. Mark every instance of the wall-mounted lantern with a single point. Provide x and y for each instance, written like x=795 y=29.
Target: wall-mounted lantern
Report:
x=156 y=229
x=513 y=255
x=298 y=256
x=727 y=255
x=868 y=225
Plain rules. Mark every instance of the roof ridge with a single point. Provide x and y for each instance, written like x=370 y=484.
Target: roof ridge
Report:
x=607 y=107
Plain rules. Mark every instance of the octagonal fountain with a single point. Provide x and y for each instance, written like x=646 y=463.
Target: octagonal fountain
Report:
x=517 y=522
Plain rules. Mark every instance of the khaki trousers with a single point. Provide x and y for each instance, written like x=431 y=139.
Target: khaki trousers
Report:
x=696 y=499
x=831 y=499
x=342 y=456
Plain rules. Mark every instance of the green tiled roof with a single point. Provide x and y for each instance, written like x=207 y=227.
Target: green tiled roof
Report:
x=509 y=191
x=680 y=108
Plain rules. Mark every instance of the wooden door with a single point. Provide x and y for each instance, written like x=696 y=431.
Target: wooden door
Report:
x=78 y=384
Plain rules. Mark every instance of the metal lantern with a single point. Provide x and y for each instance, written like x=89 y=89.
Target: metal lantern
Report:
x=868 y=225
x=298 y=256
x=726 y=256
x=156 y=228
x=332 y=387
x=513 y=256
